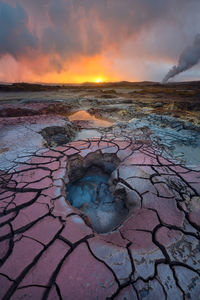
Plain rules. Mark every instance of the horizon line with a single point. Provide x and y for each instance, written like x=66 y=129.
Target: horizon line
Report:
x=91 y=82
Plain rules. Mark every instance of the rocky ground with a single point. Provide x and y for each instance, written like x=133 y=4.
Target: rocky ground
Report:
x=136 y=236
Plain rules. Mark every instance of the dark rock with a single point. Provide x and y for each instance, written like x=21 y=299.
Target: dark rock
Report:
x=17 y=112
x=57 y=135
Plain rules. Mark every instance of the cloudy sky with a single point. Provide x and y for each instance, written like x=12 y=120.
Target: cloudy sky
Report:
x=91 y=40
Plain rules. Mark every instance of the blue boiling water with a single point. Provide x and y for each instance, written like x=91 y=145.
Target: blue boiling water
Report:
x=92 y=196
x=90 y=190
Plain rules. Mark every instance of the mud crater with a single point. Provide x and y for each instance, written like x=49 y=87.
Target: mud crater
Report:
x=92 y=190
x=58 y=135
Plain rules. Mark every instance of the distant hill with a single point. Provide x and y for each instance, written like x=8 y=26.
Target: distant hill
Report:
x=32 y=87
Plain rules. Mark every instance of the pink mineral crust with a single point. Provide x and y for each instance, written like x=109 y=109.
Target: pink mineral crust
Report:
x=5 y=285
x=49 y=250
x=22 y=255
x=44 y=230
x=24 y=198
x=48 y=261
x=75 y=229
x=88 y=278
x=33 y=292
x=166 y=236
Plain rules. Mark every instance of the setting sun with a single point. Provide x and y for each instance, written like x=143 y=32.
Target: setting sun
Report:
x=99 y=80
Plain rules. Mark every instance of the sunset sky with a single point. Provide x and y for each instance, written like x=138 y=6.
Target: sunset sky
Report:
x=65 y=41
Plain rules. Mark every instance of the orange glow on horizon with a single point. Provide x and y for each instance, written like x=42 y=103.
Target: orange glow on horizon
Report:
x=97 y=69
x=79 y=70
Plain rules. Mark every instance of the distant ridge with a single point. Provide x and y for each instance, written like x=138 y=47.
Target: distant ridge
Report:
x=17 y=87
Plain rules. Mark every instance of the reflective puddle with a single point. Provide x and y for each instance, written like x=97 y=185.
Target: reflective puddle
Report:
x=83 y=115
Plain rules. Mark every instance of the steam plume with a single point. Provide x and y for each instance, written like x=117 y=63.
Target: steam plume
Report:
x=189 y=58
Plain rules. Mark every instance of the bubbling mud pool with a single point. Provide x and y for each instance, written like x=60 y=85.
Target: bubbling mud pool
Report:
x=92 y=195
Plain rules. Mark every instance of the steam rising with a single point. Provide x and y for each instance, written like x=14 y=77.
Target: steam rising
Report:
x=189 y=58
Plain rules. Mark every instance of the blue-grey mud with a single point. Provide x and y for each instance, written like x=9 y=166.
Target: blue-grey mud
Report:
x=91 y=194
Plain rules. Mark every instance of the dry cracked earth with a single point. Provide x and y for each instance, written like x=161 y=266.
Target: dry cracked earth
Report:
x=50 y=250
x=100 y=209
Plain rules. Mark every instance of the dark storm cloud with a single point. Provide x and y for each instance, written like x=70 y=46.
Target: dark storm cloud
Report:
x=15 y=37
x=89 y=26
x=72 y=30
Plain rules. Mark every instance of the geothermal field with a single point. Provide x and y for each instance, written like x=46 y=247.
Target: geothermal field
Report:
x=100 y=191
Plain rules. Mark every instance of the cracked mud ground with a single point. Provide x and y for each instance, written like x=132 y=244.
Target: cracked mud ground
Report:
x=48 y=249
